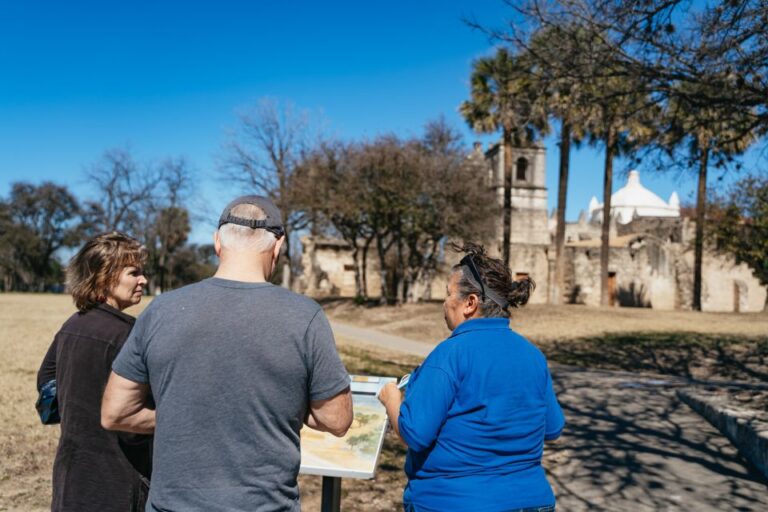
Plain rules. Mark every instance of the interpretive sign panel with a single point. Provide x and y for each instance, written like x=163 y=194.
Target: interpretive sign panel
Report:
x=356 y=454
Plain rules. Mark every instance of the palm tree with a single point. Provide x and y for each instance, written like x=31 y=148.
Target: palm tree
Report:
x=555 y=51
x=707 y=132
x=504 y=97
x=605 y=105
x=622 y=116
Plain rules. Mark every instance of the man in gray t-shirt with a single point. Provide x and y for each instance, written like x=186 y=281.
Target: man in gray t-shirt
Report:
x=236 y=366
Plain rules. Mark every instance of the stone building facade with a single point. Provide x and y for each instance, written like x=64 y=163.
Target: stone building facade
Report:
x=651 y=258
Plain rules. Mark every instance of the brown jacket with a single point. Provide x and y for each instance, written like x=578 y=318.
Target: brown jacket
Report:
x=94 y=470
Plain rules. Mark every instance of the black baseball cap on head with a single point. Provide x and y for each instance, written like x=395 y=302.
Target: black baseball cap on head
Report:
x=273 y=220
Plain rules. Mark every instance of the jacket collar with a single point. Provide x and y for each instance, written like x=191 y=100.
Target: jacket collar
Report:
x=480 y=324
x=106 y=308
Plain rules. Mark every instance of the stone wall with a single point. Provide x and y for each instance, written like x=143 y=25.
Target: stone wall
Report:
x=726 y=286
x=329 y=269
x=657 y=273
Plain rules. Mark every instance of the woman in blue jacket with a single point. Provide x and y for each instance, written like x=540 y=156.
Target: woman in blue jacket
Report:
x=477 y=412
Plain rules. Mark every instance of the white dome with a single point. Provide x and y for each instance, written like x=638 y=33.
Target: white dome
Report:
x=636 y=200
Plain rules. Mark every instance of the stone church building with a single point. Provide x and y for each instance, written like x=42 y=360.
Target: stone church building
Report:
x=651 y=258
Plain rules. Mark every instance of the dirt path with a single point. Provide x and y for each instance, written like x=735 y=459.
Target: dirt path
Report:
x=630 y=444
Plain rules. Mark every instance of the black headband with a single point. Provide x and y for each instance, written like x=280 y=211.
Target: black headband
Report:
x=473 y=276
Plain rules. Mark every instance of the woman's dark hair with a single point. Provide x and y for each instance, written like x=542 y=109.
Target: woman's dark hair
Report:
x=96 y=267
x=495 y=276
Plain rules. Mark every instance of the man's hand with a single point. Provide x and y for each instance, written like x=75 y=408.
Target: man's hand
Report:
x=124 y=406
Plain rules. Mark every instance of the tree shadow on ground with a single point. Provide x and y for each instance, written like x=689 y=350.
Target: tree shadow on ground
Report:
x=682 y=354
x=633 y=447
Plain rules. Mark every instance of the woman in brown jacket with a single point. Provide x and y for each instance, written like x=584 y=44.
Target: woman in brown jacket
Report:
x=96 y=470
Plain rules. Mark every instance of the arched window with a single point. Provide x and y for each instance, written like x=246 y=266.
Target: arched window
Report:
x=522 y=169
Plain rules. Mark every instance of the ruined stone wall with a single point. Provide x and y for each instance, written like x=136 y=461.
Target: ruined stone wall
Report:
x=659 y=274
x=726 y=286
x=329 y=270
x=665 y=228
x=644 y=275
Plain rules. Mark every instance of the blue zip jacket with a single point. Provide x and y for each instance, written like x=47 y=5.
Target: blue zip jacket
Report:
x=475 y=417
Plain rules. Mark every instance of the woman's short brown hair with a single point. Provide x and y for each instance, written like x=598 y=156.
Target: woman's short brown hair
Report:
x=96 y=267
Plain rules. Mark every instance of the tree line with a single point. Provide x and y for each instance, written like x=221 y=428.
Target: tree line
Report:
x=683 y=82
x=393 y=200
x=147 y=201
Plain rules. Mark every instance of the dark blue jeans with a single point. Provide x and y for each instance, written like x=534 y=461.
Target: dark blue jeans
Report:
x=409 y=507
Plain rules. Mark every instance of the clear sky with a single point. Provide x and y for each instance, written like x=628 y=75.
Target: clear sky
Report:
x=166 y=78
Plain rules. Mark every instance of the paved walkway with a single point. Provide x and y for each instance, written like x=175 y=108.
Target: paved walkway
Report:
x=630 y=444
x=380 y=339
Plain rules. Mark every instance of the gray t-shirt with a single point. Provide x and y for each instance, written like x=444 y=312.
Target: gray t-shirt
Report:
x=232 y=368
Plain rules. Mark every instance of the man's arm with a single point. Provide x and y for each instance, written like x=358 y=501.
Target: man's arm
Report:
x=124 y=406
x=332 y=415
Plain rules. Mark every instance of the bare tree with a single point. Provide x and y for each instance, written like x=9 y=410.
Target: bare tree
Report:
x=125 y=191
x=147 y=201
x=167 y=221
x=403 y=198
x=263 y=155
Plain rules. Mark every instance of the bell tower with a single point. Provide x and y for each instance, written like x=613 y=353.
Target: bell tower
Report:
x=530 y=239
x=529 y=192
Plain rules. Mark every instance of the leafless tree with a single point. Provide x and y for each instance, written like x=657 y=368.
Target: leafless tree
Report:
x=263 y=154
x=147 y=201
x=125 y=191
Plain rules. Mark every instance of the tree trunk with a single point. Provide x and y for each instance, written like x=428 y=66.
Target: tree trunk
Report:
x=358 y=273
x=429 y=272
x=506 y=237
x=610 y=143
x=382 y=269
x=701 y=205
x=365 y=267
x=562 y=192
x=400 y=286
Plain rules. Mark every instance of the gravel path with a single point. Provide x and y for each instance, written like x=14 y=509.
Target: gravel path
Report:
x=630 y=444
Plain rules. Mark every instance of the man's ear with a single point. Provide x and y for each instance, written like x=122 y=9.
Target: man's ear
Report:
x=278 y=245
x=217 y=243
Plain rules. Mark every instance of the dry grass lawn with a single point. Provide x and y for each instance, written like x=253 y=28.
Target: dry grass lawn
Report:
x=638 y=339
x=28 y=323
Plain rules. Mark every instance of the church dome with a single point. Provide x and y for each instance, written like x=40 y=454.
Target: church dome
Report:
x=635 y=200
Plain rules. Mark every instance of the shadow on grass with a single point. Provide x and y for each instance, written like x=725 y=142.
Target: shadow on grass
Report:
x=682 y=354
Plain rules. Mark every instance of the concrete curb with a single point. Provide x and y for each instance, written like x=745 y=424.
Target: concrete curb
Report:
x=746 y=429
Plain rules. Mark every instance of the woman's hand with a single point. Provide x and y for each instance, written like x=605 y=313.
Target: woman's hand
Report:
x=390 y=392
x=392 y=398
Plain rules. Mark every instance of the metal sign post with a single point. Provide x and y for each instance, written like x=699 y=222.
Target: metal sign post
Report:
x=331 y=501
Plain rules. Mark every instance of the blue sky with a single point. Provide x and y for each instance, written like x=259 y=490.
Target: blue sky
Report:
x=167 y=79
